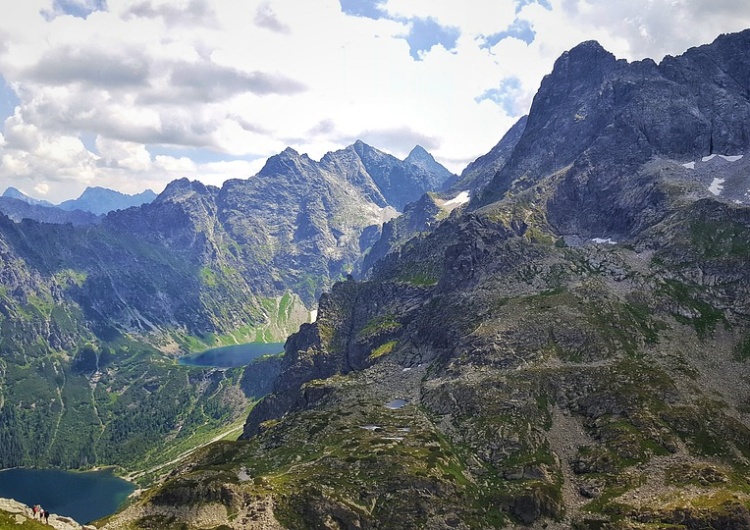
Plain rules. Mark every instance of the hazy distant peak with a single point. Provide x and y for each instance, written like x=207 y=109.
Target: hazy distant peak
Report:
x=99 y=200
x=15 y=193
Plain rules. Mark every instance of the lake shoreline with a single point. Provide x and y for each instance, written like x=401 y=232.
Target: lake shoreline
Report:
x=81 y=495
x=231 y=356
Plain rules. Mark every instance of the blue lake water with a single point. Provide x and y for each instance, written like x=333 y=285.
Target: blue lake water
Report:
x=396 y=404
x=82 y=496
x=231 y=356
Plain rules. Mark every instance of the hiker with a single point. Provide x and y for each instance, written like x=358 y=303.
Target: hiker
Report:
x=35 y=510
x=46 y=517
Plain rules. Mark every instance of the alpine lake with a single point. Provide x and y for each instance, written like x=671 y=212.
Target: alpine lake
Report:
x=84 y=496
x=233 y=356
x=91 y=495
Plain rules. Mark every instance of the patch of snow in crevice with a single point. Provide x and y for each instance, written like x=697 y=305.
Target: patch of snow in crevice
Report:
x=728 y=158
x=461 y=198
x=394 y=438
x=370 y=427
x=716 y=186
x=601 y=240
x=313 y=316
x=406 y=370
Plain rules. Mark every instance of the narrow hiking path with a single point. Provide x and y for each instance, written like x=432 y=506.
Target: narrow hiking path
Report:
x=60 y=389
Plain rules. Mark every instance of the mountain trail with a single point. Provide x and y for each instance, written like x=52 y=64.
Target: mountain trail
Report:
x=137 y=474
x=62 y=411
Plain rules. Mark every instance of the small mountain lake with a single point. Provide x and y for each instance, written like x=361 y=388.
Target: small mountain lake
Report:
x=82 y=496
x=232 y=356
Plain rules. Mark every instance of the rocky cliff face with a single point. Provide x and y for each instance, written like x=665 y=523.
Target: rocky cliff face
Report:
x=592 y=106
x=569 y=353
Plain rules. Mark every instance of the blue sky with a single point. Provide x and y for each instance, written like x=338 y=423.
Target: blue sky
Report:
x=131 y=94
x=76 y=8
x=8 y=99
x=423 y=34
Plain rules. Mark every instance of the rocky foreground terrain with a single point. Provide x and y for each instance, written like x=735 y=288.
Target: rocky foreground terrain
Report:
x=17 y=516
x=569 y=350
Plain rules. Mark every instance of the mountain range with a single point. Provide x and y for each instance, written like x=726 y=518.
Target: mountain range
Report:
x=86 y=209
x=567 y=350
x=94 y=315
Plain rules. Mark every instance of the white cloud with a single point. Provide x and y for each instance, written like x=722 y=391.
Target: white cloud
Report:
x=249 y=78
x=126 y=155
x=42 y=189
x=265 y=17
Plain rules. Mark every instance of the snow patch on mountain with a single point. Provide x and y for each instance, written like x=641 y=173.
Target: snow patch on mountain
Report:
x=458 y=200
x=717 y=185
x=728 y=158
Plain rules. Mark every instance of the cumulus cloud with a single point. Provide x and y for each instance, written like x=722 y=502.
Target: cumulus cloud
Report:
x=326 y=126
x=265 y=17
x=174 y=13
x=92 y=66
x=208 y=82
x=41 y=189
x=124 y=93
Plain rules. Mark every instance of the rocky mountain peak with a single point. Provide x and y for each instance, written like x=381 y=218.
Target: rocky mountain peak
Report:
x=181 y=189
x=421 y=158
x=419 y=153
x=289 y=162
x=592 y=106
x=360 y=146
x=584 y=65
x=366 y=152
x=586 y=52
x=289 y=152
